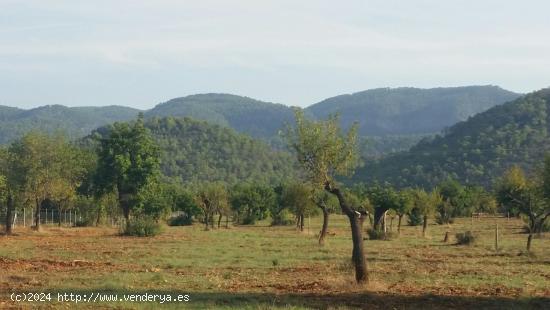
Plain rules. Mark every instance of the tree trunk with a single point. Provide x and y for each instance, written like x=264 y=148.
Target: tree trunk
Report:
x=9 y=215
x=37 y=216
x=324 y=229
x=424 y=225
x=98 y=217
x=219 y=220
x=399 y=224
x=378 y=217
x=227 y=221
x=301 y=222
x=529 y=239
x=358 y=252
x=125 y=205
x=206 y=220
x=212 y=220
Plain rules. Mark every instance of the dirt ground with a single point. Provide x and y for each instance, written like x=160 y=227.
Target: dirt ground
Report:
x=262 y=267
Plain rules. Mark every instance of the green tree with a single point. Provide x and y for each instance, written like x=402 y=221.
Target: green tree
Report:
x=297 y=197
x=252 y=202
x=528 y=196
x=42 y=167
x=425 y=204
x=128 y=161
x=405 y=203
x=324 y=152
x=212 y=198
x=383 y=198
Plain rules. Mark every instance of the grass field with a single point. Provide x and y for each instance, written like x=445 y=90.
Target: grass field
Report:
x=262 y=267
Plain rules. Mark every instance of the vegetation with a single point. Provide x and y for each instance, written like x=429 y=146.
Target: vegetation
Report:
x=528 y=197
x=474 y=152
x=324 y=152
x=406 y=111
x=195 y=151
x=138 y=175
x=466 y=238
x=75 y=122
x=128 y=163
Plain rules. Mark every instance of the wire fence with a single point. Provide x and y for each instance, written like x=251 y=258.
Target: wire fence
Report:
x=70 y=218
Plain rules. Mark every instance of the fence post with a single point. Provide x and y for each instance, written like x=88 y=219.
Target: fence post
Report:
x=24 y=218
x=496 y=238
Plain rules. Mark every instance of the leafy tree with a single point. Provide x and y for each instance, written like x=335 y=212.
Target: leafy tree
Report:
x=297 y=197
x=383 y=198
x=325 y=152
x=405 y=202
x=41 y=168
x=128 y=161
x=251 y=202
x=425 y=204
x=528 y=196
x=212 y=198
x=184 y=202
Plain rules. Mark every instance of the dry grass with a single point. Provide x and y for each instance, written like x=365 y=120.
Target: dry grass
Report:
x=277 y=267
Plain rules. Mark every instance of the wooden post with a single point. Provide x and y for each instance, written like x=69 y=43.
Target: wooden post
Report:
x=24 y=221
x=496 y=238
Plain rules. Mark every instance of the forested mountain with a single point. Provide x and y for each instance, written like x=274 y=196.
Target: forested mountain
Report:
x=475 y=151
x=257 y=118
x=405 y=111
x=389 y=119
x=198 y=151
x=75 y=122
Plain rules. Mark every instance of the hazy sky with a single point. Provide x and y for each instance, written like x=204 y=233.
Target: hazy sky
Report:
x=139 y=53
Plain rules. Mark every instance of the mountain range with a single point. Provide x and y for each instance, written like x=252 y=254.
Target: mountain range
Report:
x=398 y=115
x=475 y=151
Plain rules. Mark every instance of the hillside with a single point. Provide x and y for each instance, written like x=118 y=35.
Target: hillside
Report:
x=75 y=122
x=474 y=151
x=405 y=111
x=257 y=118
x=198 y=151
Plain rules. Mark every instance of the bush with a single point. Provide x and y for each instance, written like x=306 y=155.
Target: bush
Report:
x=466 y=238
x=180 y=220
x=142 y=227
x=380 y=234
x=414 y=217
x=283 y=218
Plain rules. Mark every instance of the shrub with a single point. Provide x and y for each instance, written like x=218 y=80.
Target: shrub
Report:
x=414 y=217
x=380 y=234
x=282 y=218
x=466 y=238
x=142 y=227
x=180 y=220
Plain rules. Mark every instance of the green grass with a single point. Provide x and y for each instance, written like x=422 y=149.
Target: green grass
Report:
x=264 y=267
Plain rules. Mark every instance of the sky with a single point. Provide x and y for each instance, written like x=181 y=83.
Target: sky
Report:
x=140 y=53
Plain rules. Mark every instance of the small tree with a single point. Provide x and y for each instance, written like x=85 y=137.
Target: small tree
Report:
x=324 y=152
x=297 y=197
x=425 y=204
x=382 y=198
x=212 y=198
x=251 y=202
x=528 y=196
x=404 y=204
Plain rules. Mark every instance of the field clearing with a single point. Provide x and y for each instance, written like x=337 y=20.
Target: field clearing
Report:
x=262 y=267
